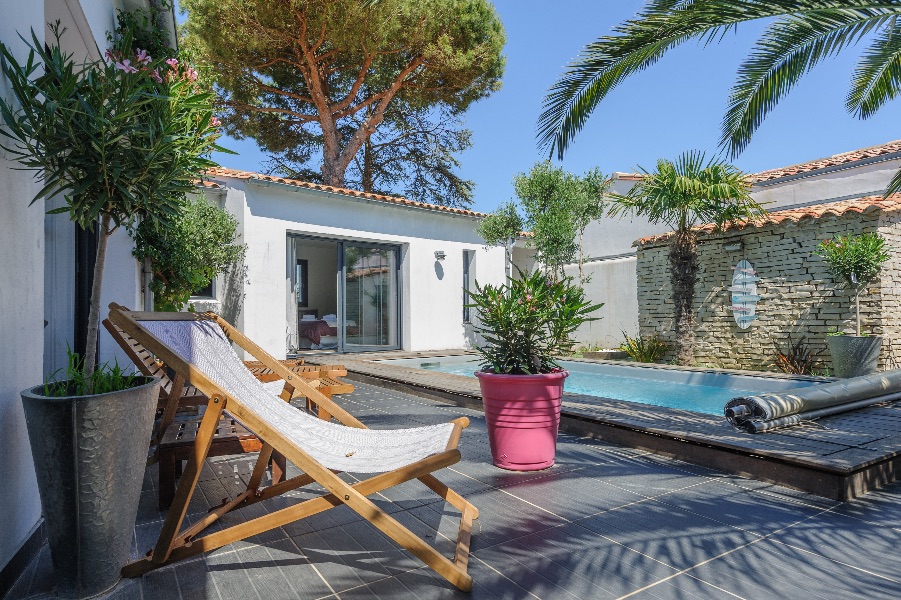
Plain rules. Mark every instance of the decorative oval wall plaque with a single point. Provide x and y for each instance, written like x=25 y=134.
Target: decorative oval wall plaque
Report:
x=744 y=294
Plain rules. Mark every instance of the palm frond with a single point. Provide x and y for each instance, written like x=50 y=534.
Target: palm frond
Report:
x=788 y=50
x=877 y=78
x=662 y=25
x=894 y=186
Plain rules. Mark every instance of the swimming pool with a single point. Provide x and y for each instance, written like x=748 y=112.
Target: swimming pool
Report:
x=700 y=391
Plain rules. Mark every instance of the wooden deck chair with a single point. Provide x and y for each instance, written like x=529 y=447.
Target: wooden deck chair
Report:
x=197 y=347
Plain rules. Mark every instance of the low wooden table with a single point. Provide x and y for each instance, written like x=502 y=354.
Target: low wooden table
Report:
x=178 y=444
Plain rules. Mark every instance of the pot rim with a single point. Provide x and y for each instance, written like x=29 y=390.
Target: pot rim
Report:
x=561 y=374
x=35 y=391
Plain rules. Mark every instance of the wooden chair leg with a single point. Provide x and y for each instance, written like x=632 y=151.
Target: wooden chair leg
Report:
x=189 y=480
x=279 y=467
x=168 y=469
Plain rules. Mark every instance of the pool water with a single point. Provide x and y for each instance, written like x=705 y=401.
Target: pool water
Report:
x=688 y=390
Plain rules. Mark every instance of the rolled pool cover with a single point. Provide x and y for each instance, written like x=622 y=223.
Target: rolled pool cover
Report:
x=764 y=412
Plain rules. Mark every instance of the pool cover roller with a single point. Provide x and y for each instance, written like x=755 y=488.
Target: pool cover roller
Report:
x=764 y=412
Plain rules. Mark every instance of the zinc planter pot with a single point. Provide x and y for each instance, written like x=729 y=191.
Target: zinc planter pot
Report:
x=89 y=454
x=523 y=415
x=854 y=355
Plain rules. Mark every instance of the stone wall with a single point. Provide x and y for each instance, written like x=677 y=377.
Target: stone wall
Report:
x=798 y=295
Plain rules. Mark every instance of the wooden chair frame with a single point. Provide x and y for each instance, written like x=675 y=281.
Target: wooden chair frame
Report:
x=176 y=543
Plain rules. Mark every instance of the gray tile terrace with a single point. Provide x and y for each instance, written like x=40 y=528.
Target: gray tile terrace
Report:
x=604 y=522
x=840 y=457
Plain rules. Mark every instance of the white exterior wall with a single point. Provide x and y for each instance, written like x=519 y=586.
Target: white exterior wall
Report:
x=431 y=290
x=21 y=314
x=862 y=180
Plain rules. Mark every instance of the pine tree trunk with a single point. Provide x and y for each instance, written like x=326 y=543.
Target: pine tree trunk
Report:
x=683 y=258
x=332 y=173
x=368 y=183
x=90 y=359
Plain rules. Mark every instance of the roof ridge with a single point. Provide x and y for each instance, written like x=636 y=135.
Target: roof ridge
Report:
x=397 y=200
x=850 y=156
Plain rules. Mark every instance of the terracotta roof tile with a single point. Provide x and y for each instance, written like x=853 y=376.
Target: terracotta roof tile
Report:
x=208 y=184
x=832 y=161
x=867 y=204
x=235 y=174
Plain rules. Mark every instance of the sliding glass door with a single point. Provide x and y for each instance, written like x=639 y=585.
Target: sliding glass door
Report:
x=371 y=297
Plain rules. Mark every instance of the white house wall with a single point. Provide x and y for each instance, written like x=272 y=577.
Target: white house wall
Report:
x=21 y=313
x=842 y=184
x=611 y=282
x=432 y=298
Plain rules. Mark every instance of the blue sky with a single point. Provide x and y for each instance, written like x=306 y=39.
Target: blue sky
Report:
x=674 y=106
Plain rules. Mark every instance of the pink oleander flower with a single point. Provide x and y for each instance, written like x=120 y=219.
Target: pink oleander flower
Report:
x=125 y=66
x=109 y=54
x=214 y=122
x=529 y=297
x=142 y=57
x=172 y=62
x=156 y=76
x=190 y=74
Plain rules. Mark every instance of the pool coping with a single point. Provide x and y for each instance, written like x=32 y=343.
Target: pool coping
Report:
x=818 y=458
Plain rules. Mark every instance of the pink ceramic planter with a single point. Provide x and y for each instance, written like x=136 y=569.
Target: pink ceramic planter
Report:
x=523 y=414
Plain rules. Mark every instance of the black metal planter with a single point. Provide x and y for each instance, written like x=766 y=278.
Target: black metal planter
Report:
x=89 y=454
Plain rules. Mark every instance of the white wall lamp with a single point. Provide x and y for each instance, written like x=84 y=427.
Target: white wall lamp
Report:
x=440 y=255
x=733 y=246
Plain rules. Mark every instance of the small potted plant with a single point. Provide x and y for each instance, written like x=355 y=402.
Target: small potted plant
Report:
x=854 y=261
x=526 y=324
x=120 y=139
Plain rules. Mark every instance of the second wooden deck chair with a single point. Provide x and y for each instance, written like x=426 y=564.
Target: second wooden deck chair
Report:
x=198 y=348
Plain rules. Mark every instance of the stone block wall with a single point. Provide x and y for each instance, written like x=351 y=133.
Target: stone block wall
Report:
x=798 y=295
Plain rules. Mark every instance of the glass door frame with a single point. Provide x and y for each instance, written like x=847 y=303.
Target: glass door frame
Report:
x=342 y=295
x=341 y=286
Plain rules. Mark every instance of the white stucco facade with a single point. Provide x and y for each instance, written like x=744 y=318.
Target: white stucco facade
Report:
x=430 y=291
x=21 y=314
x=825 y=185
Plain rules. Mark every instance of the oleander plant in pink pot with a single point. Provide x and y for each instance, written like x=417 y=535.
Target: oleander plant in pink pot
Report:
x=526 y=325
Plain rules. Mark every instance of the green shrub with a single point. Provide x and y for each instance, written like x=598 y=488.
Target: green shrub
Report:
x=186 y=252
x=106 y=378
x=855 y=261
x=796 y=359
x=528 y=322
x=644 y=349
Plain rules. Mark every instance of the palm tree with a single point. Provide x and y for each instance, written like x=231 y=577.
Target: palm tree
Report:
x=682 y=194
x=802 y=34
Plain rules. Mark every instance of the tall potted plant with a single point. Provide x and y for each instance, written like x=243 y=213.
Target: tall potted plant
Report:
x=526 y=324
x=854 y=261
x=120 y=139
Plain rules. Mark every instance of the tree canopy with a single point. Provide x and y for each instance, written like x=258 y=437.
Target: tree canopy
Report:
x=413 y=153
x=325 y=72
x=558 y=206
x=187 y=251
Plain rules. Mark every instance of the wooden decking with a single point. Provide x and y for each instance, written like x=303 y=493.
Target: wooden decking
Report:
x=839 y=457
